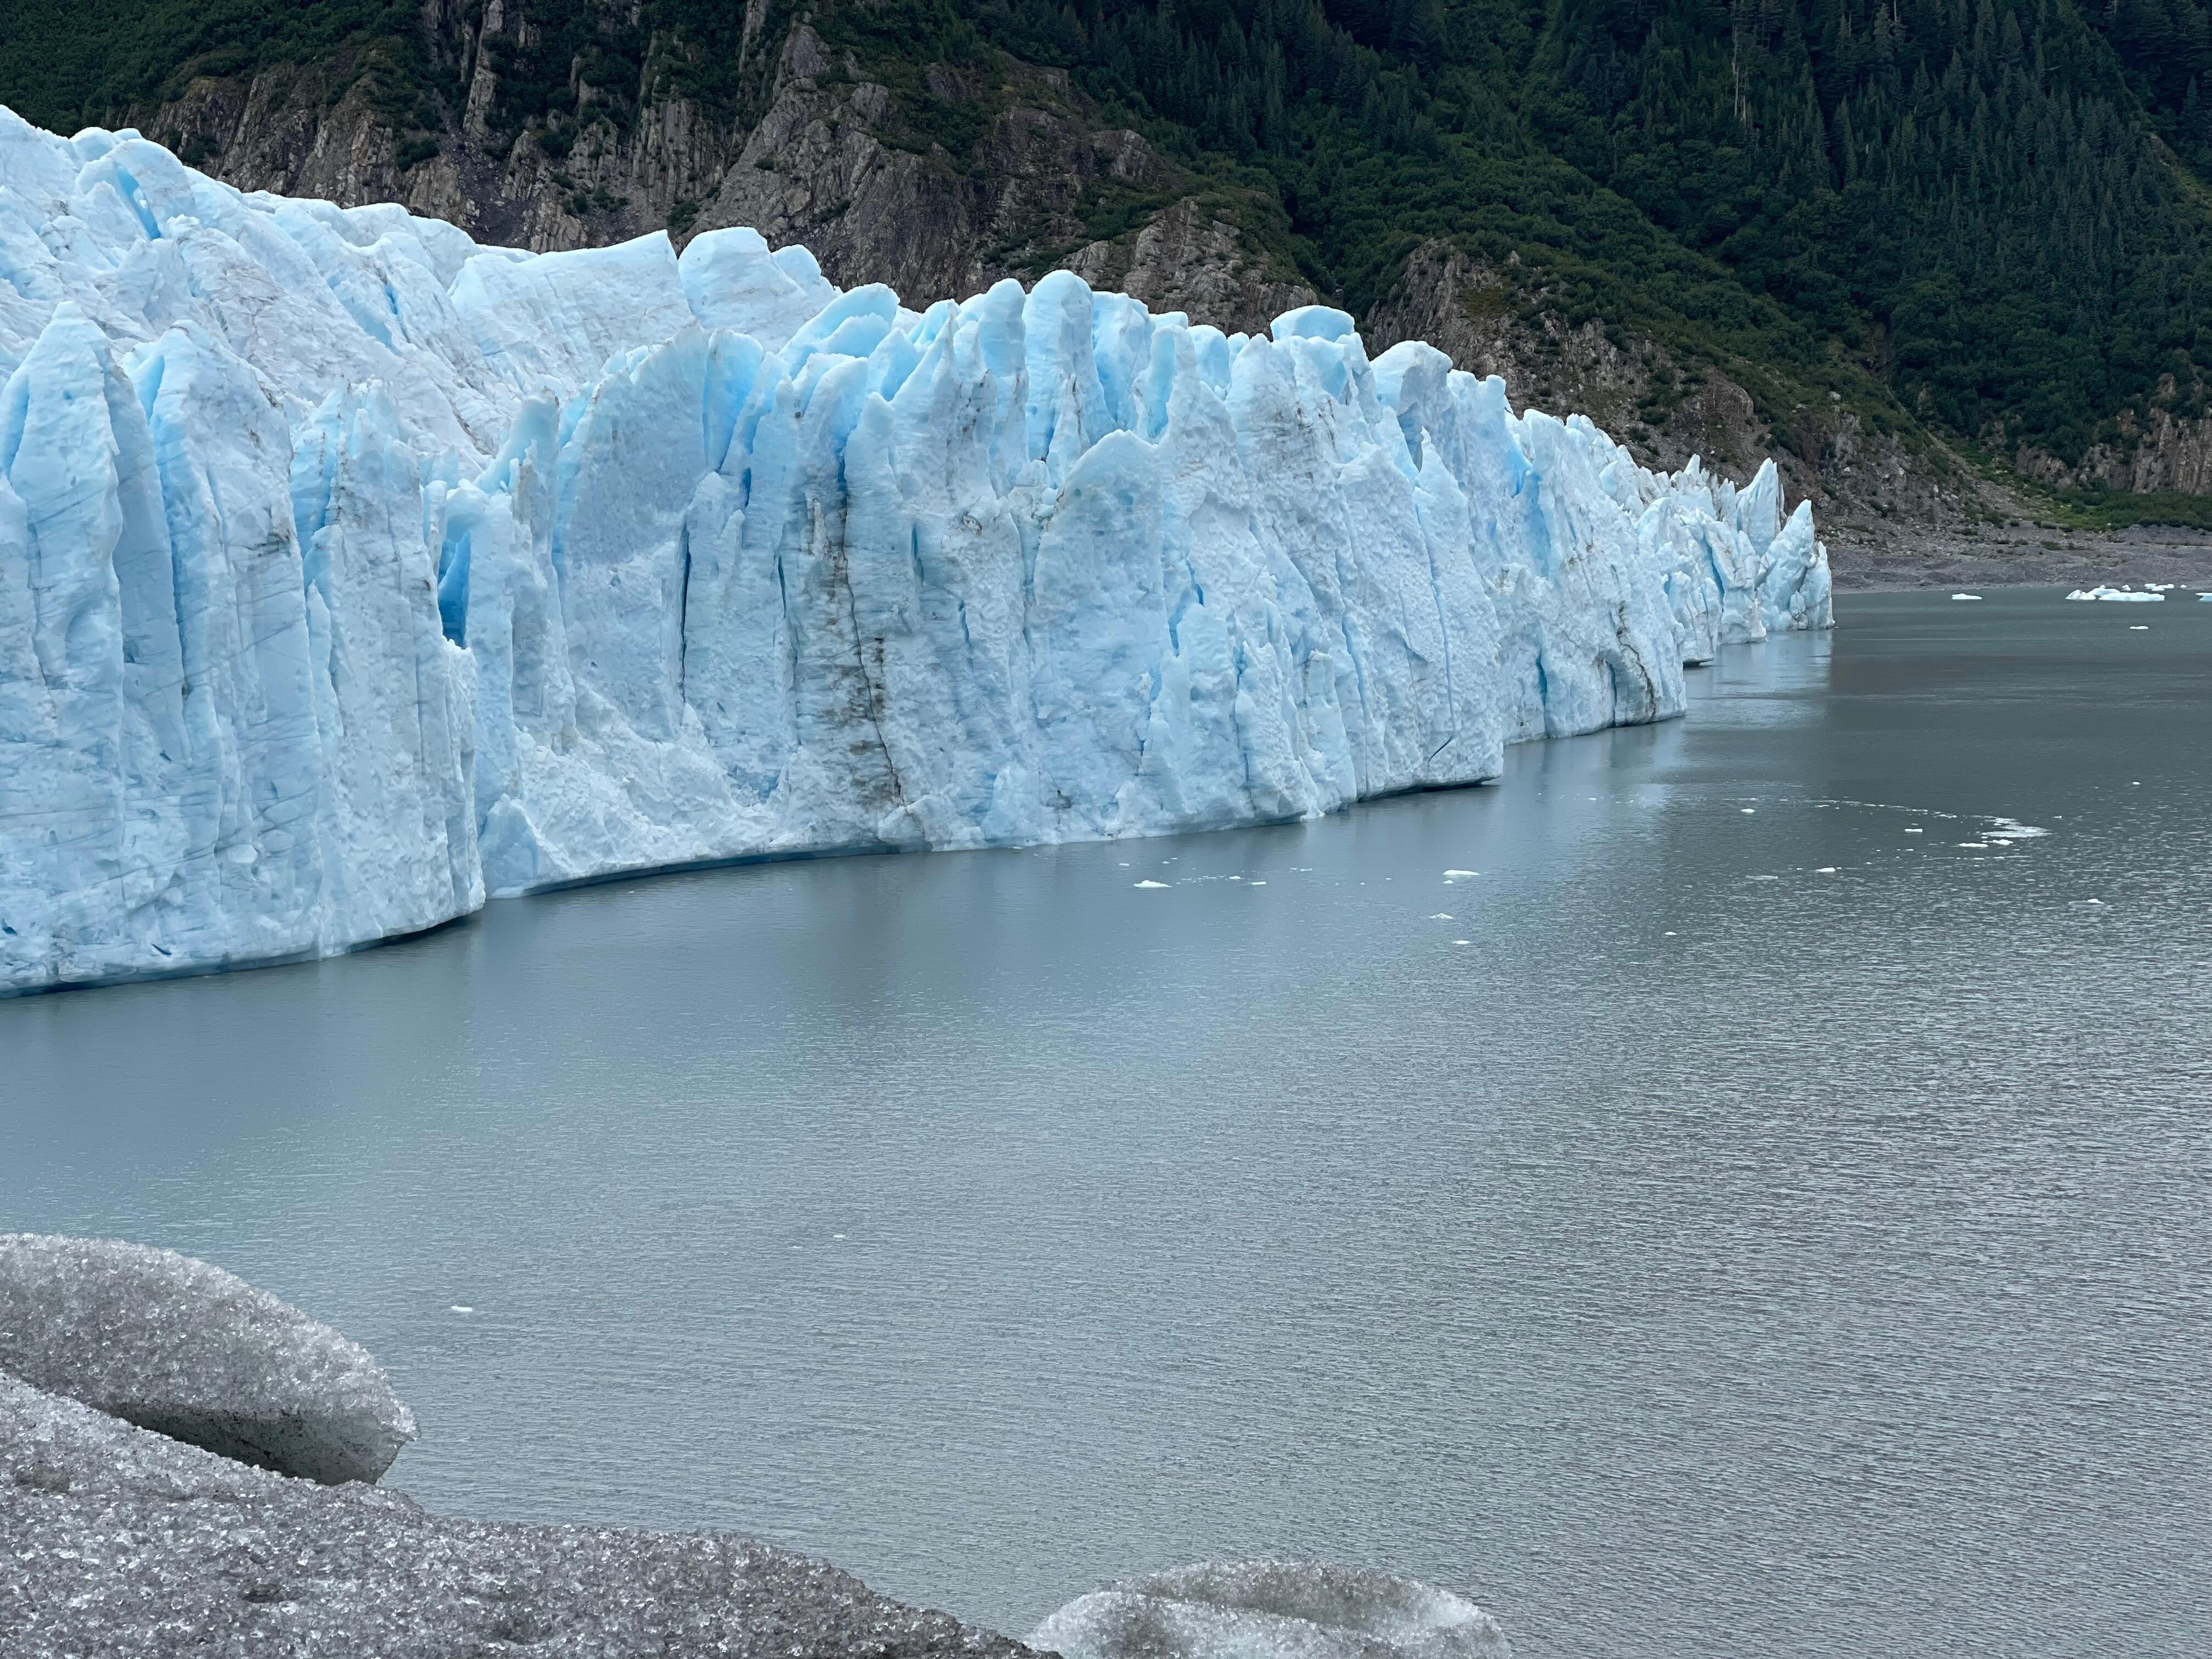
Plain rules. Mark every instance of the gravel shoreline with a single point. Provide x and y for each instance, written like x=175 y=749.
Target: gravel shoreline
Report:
x=2020 y=556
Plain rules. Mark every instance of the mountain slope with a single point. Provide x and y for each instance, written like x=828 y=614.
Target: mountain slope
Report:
x=1882 y=236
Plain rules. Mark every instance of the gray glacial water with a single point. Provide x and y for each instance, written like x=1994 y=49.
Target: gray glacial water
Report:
x=1728 y=1223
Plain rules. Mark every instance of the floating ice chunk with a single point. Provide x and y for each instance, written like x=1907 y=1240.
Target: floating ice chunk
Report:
x=1975 y=846
x=1443 y=916
x=1914 y=830
x=460 y=1308
x=1460 y=875
x=189 y=1350
x=1271 y=1610
x=2138 y=627
x=1153 y=883
x=1748 y=811
x=1826 y=869
x=1965 y=596
x=2120 y=595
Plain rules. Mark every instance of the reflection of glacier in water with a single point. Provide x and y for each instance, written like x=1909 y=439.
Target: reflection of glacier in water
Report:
x=349 y=571
x=1808 y=1269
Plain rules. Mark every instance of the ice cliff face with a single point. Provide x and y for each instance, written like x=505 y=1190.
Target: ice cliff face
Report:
x=350 y=572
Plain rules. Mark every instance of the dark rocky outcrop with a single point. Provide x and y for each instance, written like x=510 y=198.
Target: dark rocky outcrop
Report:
x=961 y=175
x=829 y=158
x=1866 y=489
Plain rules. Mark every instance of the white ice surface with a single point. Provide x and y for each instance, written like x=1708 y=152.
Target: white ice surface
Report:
x=1271 y=1610
x=350 y=572
x=186 y=1349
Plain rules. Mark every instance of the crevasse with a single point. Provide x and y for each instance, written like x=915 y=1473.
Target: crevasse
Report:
x=351 y=572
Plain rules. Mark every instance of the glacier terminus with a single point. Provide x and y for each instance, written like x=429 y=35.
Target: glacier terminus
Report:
x=352 y=573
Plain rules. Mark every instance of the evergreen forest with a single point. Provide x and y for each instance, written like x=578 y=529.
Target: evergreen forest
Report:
x=1988 y=219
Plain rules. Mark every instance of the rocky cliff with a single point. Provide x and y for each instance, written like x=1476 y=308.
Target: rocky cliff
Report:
x=826 y=156
x=944 y=177
x=1869 y=487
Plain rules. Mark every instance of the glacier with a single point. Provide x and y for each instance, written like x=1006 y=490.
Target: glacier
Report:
x=352 y=573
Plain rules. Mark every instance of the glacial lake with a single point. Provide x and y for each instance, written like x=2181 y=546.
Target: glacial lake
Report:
x=1757 y=1213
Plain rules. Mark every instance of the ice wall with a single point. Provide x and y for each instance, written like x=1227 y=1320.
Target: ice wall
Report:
x=349 y=572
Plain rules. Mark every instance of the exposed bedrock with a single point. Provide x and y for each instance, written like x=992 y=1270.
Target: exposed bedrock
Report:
x=192 y=1353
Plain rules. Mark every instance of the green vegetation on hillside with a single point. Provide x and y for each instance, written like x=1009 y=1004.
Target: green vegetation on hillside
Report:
x=67 y=63
x=1976 y=206
x=1989 y=217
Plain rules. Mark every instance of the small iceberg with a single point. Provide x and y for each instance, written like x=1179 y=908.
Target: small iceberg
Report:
x=2120 y=595
x=1152 y=884
x=1965 y=596
x=1271 y=1610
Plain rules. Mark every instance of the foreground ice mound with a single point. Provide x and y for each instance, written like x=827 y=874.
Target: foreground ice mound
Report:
x=123 y=1545
x=1271 y=1610
x=191 y=1352
x=350 y=572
